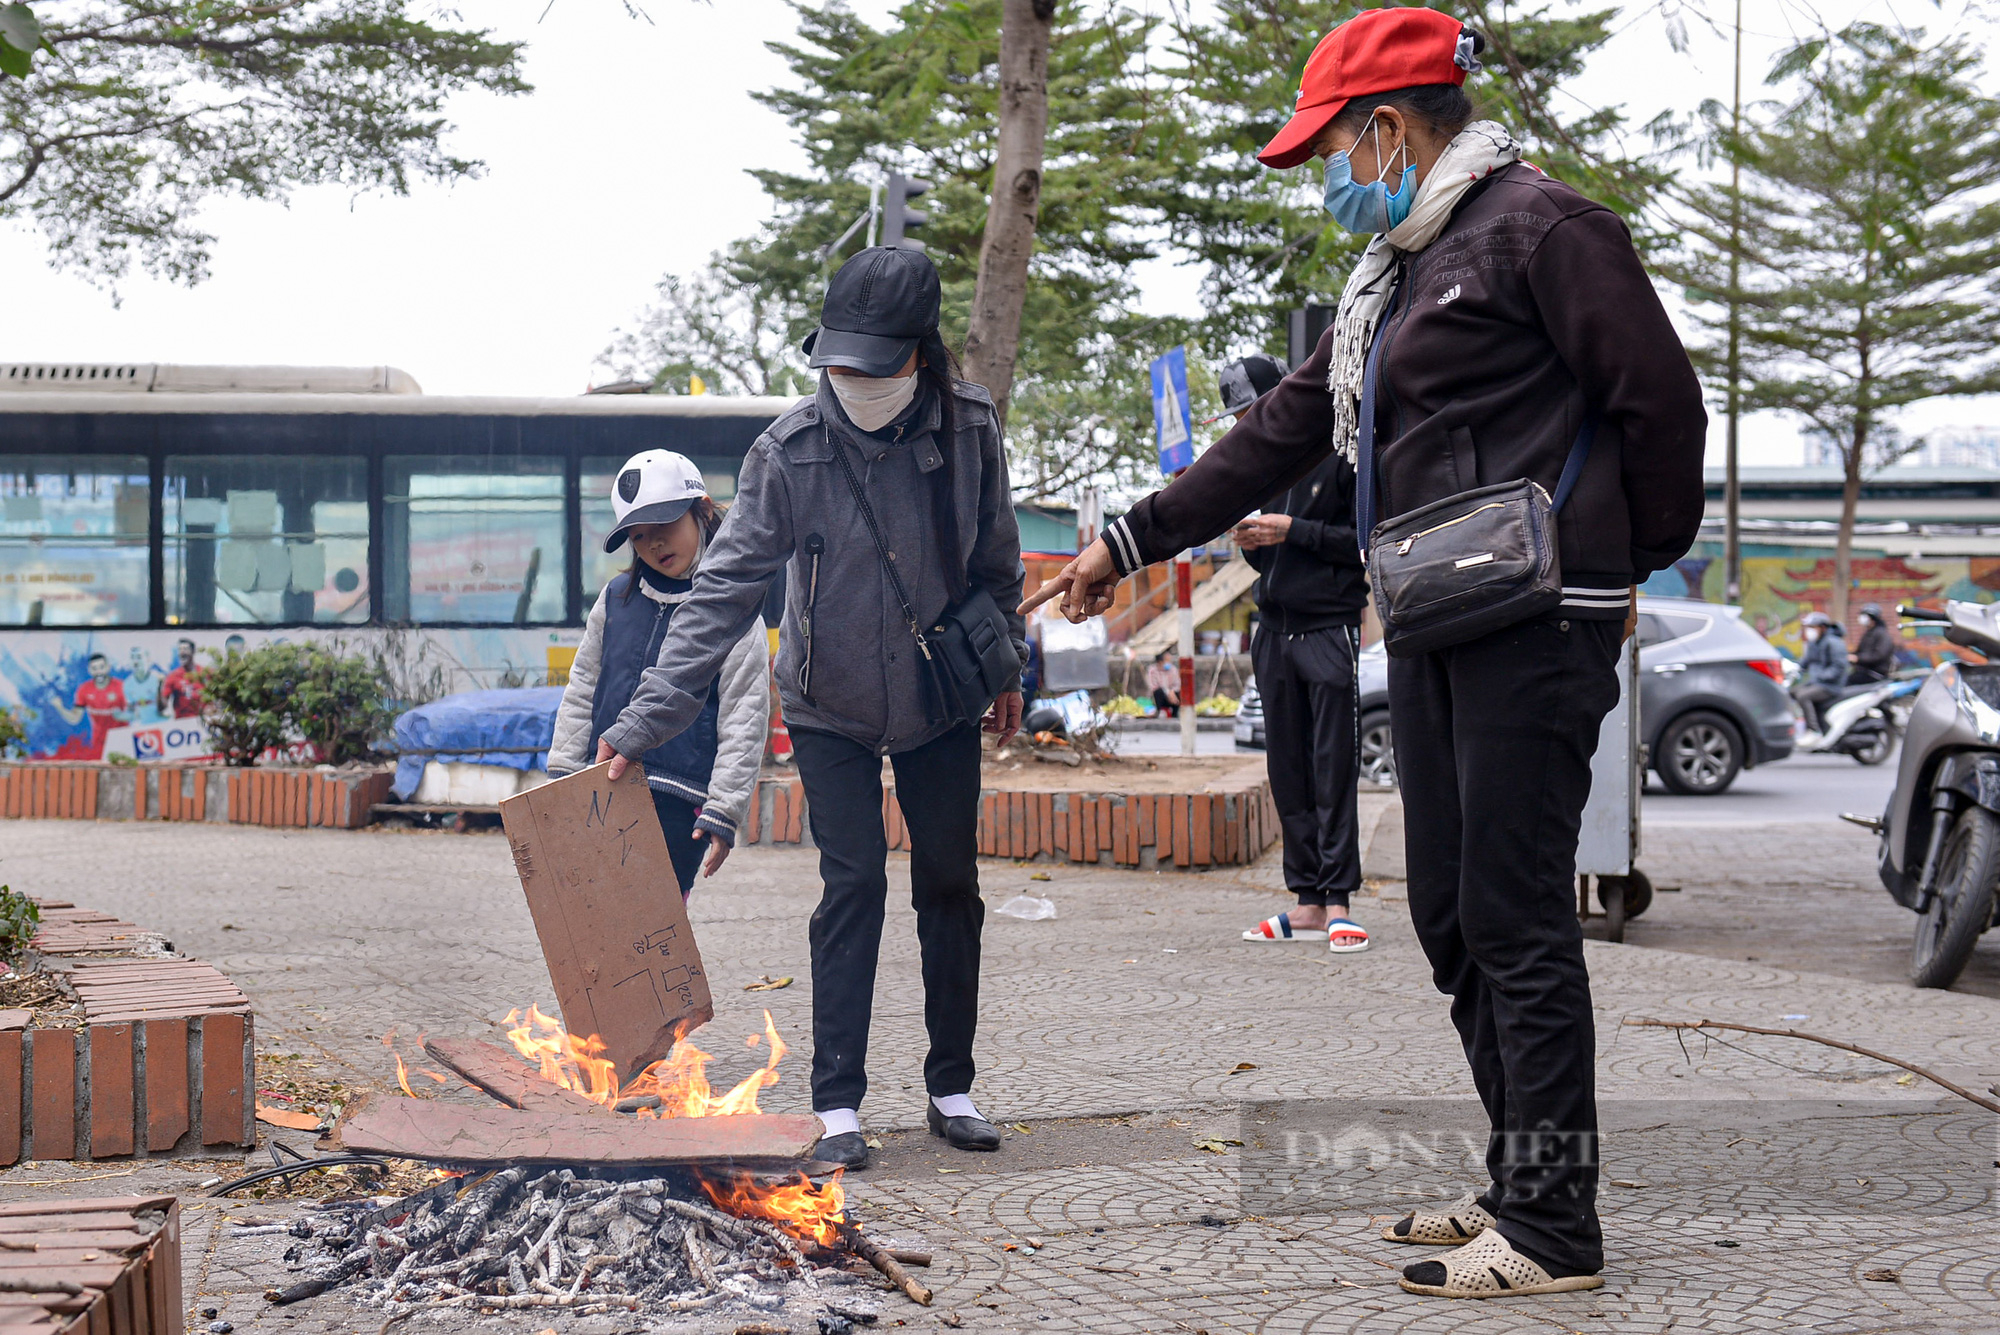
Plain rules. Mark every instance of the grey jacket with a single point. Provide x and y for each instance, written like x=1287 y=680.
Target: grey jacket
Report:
x=742 y=724
x=866 y=670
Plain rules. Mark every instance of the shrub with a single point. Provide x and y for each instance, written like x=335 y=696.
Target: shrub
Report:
x=13 y=738
x=19 y=916
x=256 y=700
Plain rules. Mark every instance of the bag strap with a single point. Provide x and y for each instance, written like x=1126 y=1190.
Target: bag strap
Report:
x=881 y=547
x=1364 y=447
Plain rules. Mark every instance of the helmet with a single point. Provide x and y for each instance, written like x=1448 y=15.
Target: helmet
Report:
x=1820 y=619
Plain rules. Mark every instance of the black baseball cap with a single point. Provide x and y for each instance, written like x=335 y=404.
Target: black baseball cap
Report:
x=1245 y=381
x=877 y=307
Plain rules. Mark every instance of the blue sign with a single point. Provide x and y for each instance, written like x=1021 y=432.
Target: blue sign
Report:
x=1173 y=418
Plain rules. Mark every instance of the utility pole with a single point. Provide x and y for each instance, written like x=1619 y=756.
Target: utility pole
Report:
x=1732 y=493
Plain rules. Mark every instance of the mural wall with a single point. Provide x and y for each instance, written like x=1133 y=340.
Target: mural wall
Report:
x=92 y=693
x=1782 y=584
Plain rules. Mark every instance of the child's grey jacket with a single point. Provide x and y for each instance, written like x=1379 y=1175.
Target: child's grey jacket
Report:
x=866 y=669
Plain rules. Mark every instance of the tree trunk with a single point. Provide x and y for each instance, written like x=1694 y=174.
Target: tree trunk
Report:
x=994 y=339
x=1850 y=501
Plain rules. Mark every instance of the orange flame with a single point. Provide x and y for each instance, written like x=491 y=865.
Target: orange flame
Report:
x=809 y=1211
x=680 y=1082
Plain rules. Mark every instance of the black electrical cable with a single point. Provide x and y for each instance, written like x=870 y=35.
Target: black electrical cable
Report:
x=303 y=1166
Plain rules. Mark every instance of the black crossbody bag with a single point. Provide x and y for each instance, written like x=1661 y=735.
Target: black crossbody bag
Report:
x=1469 y=564
x=968 y=656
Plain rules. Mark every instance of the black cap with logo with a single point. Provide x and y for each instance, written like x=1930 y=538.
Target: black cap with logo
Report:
x=880 y=303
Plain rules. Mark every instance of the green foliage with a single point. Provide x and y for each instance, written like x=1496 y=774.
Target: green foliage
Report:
x=20 y=38
x=271 y=697
x=13 y=737
x=148 y=107
x=19 y=916
x=1150 y=156
x=1870 y=241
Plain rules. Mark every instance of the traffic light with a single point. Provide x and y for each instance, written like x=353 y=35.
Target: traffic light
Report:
x=897 y=215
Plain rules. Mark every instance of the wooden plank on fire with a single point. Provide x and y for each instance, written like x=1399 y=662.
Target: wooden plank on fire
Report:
x=448 y=1133
x=507 y=1078
x=609 y=914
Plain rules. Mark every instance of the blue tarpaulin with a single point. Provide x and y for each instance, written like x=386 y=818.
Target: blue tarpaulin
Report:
x=457 y=727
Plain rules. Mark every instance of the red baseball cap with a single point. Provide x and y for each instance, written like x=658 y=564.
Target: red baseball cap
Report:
x=1373 y=52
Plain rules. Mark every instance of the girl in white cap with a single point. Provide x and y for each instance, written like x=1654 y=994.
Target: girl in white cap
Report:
x=702 y=779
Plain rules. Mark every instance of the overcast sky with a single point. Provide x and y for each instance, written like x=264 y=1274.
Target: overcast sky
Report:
x=625 y=163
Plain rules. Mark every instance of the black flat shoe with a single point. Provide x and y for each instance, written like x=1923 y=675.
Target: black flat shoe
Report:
x=962 y=1133
x=848 y=1150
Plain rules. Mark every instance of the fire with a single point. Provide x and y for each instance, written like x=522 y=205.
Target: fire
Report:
x=680 y=1082
x=813 y=1212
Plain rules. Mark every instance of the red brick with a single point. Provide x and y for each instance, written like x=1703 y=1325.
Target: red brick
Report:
x=1177 y=826
x=1083 y=812
x=298 y=791
x=38 y=792
x=1104 y=825
x=139 y=793
x=111 y=1102
x=781 y=812
x=985 y=835
x=1045 y=804
x=1201 y=845
x=10 y=1096
x=222 y=1079
x=200 y=794
x=1017 y=826
x=795 y=827
x=55 y=1093
x=90 y=795
x=166 y=1083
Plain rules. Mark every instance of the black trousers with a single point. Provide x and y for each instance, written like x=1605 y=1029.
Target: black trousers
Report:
x=1493 y=746
x=683 y=849
x=1312 y=748
x=937 y=786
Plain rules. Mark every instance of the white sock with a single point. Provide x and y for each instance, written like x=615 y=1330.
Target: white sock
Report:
x=839 y=1121
x=956 y=1105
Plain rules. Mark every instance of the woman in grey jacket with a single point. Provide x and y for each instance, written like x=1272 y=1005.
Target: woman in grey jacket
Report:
x=892 y=419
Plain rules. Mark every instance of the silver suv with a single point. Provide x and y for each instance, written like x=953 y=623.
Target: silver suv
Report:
x=1711 y=699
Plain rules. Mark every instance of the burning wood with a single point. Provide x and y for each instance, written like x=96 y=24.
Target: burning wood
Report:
x=528 y=1238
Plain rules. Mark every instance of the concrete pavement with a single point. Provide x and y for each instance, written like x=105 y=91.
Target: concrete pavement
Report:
x=1135 y=1026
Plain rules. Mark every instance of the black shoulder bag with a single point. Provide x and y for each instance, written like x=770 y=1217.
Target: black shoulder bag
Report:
x=967 y=655
x=1469 y=564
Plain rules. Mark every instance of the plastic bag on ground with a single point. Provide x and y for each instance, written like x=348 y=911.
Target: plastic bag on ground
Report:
x=1028 y=907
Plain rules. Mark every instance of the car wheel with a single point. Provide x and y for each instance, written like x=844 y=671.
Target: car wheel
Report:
x=1962 y=904
x=1378 y=752
x=1700 y=754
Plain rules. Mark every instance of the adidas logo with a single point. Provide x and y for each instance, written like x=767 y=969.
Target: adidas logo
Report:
x=1450 y=296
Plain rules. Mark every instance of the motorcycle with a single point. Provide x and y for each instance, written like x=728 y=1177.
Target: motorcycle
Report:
x=1862 y=721
x=1939 y=854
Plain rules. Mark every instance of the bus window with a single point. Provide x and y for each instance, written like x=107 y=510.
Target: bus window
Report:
x=265 y=539
x=473 y=539
x=73 y=533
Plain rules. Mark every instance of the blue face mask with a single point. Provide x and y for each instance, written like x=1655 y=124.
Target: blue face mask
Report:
x=1367 y=208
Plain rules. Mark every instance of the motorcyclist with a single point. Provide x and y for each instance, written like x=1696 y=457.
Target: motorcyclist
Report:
x=1823 y=668
x=1874 y=658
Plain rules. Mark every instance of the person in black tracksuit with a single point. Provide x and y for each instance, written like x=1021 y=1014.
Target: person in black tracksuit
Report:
x=1311 y=589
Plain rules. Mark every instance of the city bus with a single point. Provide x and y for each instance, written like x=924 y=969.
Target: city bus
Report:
x=153 y=515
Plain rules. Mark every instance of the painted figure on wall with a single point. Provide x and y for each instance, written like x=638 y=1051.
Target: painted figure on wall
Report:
x=180 y=691
x=101 y=699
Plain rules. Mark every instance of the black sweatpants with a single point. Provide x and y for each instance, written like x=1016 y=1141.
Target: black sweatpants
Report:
x=1493 y=746
x=937 y=786
x=683 y=849
x=1312 y=748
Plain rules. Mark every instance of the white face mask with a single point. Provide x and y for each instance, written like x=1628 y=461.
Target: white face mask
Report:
x=872 y=404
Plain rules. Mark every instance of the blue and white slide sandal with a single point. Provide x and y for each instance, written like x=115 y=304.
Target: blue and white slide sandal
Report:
x=1345 y=937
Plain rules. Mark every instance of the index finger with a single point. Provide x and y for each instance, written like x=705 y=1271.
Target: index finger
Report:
x=1052 y=589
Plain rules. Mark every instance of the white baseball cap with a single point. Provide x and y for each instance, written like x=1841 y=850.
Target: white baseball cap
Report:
x=654 y=487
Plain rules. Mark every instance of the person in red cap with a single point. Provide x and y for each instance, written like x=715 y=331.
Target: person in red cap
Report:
x=1499 y=327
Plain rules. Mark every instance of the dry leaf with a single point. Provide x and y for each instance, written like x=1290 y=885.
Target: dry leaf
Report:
x=1215 y=1145
x=1906 y=1078
x=872 y=1142
x=1041 y=876
x=768 y=984
x=951 y=1170
x=1883 y=1276
x=284 y=1117
x=1244 y=1066
x=1024 y=1128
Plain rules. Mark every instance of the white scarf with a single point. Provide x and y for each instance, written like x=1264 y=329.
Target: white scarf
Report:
x=1478 y=150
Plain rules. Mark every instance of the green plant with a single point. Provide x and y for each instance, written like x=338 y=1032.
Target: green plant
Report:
x=13 y=738
x=19 y=916
x=268 y=698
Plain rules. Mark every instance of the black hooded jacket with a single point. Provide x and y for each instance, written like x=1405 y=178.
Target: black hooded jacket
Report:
x=1314 y=578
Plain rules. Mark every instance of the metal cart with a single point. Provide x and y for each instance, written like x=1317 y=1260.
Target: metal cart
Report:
x=1608 y=846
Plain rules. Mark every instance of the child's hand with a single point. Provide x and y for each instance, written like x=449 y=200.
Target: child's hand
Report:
x=618 y=762
x=718 y=852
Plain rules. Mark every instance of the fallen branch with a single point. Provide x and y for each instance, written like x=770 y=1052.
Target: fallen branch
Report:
x=1912 y=1067
x=864 y=1247
x=33 y=1285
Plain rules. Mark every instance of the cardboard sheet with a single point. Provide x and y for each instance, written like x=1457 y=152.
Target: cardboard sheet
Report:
x=609 y=913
